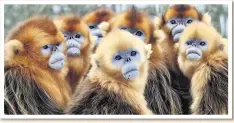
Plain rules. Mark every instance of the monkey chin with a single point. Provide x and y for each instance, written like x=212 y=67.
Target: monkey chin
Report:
x=131 y=75
x=176 y=37
x=57 y=61
x=193 y=54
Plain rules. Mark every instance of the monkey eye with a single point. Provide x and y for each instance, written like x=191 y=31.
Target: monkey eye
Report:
x=133 y=53
x=91 y=27
x=77 y=36
x=123 y=28
x=138 y=33
x=189 y=43
x=202 y=43
x=189 y=21
x=45 y=47
x=173 y=22
x=118 y=57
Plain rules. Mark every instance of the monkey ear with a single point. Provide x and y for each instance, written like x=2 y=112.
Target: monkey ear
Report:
x=157 y=22
x=148 y=50
x=206 y=18
x=104 y=26
x=223 y=44
x=12 y=48
x=159 y=35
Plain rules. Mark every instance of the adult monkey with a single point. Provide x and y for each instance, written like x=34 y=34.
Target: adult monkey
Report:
x=202 y=59
x=93 y=19
x=78 y=43
x=173 y=22
x=35 y=69
x=160 y=96
x=117 y=78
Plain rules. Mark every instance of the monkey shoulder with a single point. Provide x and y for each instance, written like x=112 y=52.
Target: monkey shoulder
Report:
x=24 y=96
x=160 y=96
x=91 y=98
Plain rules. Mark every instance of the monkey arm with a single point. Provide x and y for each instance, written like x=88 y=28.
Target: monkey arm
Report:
x=24 y=96
x=214 y=94
x=92 y=99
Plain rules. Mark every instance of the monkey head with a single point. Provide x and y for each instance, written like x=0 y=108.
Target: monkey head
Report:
x=177 y=17
x=136 y=22
x=126 y=57
x=76 y=33
x=36 y=41
x=94 y=18
x=198 y=41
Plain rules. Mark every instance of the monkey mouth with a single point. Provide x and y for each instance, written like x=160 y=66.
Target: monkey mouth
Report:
x=99 y=36
x=193 y=52
x=57 y=60
x=132 y=70
x=177 y=32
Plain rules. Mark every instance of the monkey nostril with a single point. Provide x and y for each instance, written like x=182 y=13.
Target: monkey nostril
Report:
x=128 y=59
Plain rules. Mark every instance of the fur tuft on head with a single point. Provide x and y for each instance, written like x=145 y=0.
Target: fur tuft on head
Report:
x=181 y=10
x=97 y=16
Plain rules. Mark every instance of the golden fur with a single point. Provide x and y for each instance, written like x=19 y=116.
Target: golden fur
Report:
x=170 y=48
x=181 y=10
x=134 y=19
x=158 y=71
x=97 y=16
x=110 y=77
x=200 y=71
x=139 y=20
x=22 y=49
x=77 y=66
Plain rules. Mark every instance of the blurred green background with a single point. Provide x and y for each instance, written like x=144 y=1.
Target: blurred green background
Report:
x=16 y=13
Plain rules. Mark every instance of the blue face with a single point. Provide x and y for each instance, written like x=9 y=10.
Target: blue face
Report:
x=127 y=61
x=73 y=42
x=137 y=32
x=95 y=31
x=56 y=56
x=177 y=25
x=194 y=48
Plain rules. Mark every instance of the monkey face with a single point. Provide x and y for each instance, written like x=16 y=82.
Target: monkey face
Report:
x=136 y=32
x=127 y=61
x=194 y=49
x=55 y=54
x=177 y=25
x=73 y=42
x=96 y=31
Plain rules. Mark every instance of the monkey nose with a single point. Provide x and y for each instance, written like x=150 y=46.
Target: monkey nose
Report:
x=128 y=59
x=55 y=49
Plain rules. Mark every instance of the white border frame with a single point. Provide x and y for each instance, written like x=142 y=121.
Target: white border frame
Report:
x=229 y=116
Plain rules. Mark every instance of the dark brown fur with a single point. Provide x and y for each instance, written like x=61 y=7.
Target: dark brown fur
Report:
x=91 y=98
x=215 y=94
x=24 y=96
x=161 y=97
